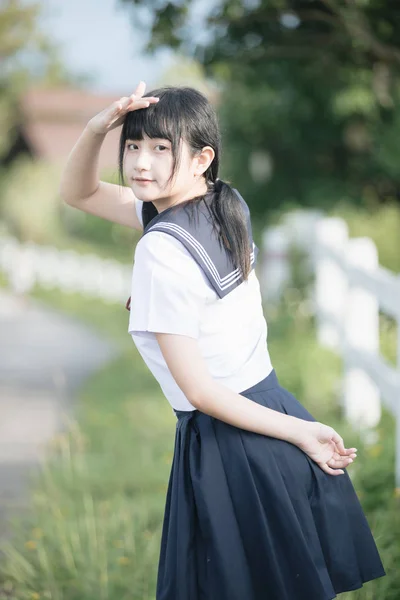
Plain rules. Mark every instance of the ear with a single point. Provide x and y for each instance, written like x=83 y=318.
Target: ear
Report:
x=203 y=160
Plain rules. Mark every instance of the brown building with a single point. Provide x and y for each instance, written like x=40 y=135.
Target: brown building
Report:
x=53 y=119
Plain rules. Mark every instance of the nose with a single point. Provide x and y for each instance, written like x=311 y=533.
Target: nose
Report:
x=142 y=162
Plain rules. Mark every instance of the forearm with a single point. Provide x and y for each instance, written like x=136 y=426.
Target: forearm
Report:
x=80 y=177
x=222 y=403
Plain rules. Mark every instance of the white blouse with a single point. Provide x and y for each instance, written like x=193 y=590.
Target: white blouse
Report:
x=171 y=294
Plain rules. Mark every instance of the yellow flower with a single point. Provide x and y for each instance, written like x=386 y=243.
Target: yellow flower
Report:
x=35 y=596
x=123 y=560
x=30 y=544
x=375 y=450
x=167 y=457
x=397 y=492
x=57 y=440
x=37 y=533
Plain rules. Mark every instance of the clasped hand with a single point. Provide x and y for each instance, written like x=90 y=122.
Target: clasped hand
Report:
x=325 y=447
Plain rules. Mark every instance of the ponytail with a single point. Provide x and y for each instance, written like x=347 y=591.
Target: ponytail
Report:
x=233 y=218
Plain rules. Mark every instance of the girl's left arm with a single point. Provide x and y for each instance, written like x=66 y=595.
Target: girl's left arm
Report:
x=187 y=366
x=184 y=360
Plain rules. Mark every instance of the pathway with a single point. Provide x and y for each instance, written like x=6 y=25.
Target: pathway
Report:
x=44 y=357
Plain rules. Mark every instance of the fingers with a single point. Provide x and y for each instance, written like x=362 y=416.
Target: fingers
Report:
x=133 y=102
x=338 y=456
x=348 y=452
x=121 y=103
x=142 y=103
x=139 y=93
x=339 y=442
x=328 y=469
x=140 y=89
x=340 y=446
x=339 y=463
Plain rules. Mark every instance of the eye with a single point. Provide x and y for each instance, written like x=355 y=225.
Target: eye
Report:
x=162 y=147
x=129 y=146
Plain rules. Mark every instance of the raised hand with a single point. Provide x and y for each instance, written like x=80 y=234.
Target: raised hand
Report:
x=325 y=446
x=113 y=116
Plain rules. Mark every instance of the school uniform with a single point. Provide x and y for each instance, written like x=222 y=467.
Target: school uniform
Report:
x=247 y=516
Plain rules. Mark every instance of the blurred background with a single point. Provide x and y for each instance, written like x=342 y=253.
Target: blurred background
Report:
x=307 y=93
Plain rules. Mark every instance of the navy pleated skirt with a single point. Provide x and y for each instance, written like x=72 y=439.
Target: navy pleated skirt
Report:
x=251 y=517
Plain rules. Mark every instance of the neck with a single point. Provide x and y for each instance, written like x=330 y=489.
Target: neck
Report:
x=198 y=190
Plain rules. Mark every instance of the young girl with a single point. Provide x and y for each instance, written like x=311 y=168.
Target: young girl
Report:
x=259 y=505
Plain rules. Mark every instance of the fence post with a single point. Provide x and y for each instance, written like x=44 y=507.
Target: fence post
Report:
x=275 y=267
x=330 y=280
x=361 y=397
x=300 y=225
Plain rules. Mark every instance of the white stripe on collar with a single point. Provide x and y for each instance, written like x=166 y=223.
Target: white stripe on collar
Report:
x=222 y=282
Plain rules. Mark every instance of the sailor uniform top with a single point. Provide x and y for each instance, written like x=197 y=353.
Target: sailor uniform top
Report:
x=183 y=282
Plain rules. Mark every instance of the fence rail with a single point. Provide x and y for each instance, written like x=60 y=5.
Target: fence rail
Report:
x=26 y=264
x=350 y=291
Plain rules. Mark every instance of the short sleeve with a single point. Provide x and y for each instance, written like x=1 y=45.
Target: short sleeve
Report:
x=169 y=290
x=139 y=206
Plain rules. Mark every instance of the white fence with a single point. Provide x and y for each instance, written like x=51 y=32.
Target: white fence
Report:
x=27 y=264
x=350 y=291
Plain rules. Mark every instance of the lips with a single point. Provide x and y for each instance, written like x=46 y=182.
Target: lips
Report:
x=140 y=180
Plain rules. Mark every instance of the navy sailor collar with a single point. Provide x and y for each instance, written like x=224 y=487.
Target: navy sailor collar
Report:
x=197 y=232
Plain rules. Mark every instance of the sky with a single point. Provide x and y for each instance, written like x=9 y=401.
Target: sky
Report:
x=98 y=37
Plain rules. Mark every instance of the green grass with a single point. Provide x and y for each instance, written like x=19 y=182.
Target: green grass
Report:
x=95 y=525
x=313 y=374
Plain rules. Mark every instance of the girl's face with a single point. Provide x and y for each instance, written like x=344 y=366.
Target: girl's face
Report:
x=148 y=167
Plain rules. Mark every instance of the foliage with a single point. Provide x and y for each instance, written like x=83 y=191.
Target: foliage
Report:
x=310 y=101
x=379 y=222
x=31 y=210
x=29 y=203
x=28 y=57
x=18 y=31
x=95 y=524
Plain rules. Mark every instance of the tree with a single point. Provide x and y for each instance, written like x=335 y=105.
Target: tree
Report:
x=27 y=56
x=310 y=108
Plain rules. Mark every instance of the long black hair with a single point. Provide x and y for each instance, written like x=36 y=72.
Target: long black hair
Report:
x=184 y=112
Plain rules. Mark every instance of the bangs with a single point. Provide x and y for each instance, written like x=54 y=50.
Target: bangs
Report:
x=161 y=120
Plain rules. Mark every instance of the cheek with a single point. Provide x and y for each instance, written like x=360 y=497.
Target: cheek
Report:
x=126 y=163
x=184 y=171
x=164 y=168
x=168 y=164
